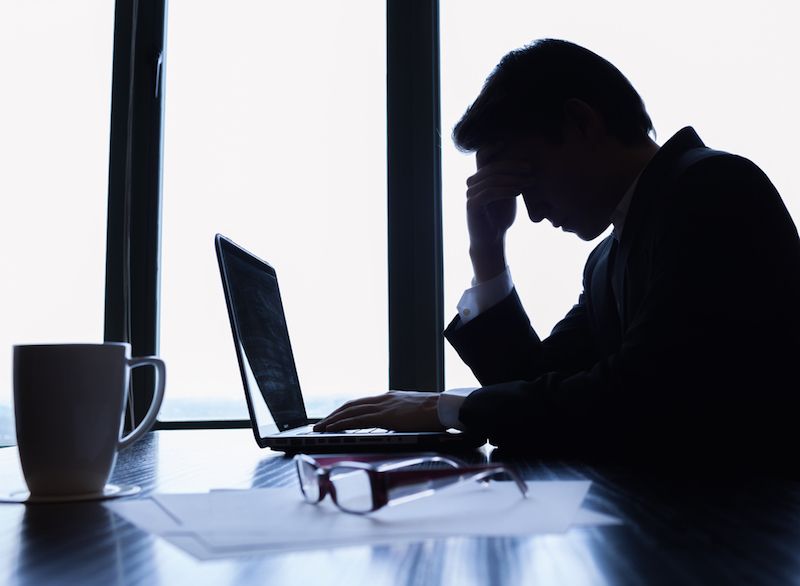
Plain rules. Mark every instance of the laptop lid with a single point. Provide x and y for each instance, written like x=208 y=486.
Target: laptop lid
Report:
x=261 y=339
x=267 y=366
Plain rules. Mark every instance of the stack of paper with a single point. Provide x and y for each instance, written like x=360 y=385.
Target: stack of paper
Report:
x=226 y=523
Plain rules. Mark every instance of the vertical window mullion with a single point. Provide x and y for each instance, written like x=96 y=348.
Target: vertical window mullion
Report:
x=134 y=193
x=416 y=350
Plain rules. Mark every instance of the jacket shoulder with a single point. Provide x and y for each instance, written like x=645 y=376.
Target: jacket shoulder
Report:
x=722 y=184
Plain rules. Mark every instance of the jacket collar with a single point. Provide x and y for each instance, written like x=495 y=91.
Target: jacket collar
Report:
x=661 y=163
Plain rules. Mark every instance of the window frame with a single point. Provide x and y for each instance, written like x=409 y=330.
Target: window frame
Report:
x=416 y=297
x=414 y=222
x=134 y=189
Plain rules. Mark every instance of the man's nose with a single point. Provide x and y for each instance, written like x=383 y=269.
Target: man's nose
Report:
x=537 y=211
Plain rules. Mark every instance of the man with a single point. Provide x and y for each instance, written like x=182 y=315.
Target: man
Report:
x=685 y=338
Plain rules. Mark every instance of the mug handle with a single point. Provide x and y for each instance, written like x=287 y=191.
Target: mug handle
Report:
x=152 y=413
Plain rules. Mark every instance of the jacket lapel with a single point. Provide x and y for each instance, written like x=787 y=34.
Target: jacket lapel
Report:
x=604 y=306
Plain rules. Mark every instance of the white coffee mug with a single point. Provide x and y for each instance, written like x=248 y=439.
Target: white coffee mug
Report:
x=69 y=404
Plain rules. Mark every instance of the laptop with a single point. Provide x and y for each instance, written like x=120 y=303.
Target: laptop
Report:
x=271 y=385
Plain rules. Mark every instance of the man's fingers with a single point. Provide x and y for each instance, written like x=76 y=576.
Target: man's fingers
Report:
x=498 y=179
x=343 y=413
x=504 y=166
x=372 y=400
x=487 y=198
x=354 y=422
x=362 y=405
x=351 y=411
x=506 y=188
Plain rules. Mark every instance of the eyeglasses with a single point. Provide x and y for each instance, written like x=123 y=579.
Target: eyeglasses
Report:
x=363 y=487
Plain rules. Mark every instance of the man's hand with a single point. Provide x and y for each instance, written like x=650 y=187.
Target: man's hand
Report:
x=491 y=209
x=396 y=410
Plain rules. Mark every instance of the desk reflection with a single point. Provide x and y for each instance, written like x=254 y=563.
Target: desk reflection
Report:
x=80 y=543
x=676 y=529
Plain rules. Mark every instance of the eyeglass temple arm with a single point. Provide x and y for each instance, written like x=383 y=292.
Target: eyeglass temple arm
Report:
x=399 y=478
x=484 y=475
x=388 y=464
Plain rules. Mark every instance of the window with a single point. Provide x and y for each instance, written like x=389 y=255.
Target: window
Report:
x=54 y=115
x=275 y=136
x=725 y=68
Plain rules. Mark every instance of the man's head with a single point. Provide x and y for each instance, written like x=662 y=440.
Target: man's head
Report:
x=574 y=118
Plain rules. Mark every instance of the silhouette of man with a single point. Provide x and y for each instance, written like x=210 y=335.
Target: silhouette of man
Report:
x=686 y=335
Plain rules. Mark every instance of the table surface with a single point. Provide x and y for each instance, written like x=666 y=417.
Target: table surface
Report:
x=676 y=529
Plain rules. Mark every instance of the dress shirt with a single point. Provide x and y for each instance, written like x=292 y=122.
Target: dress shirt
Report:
x=621 y=211
x=449 y=404
x=482 y=296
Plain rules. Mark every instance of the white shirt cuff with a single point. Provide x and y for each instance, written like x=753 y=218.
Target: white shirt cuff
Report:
x=482 y=296
x=449 y=403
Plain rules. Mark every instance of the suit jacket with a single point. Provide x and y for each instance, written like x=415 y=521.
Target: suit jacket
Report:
x=696 y=353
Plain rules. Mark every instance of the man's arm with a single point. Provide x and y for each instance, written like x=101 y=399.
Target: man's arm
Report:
x=495 y=357
x=491 y=208
x=483 y=296
x=500 y=344
x=704 y=355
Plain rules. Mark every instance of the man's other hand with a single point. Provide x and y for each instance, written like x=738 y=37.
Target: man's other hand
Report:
x=396 y=410
x=491 y=209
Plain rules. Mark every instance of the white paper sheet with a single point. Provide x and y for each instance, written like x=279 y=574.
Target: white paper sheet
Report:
x=226 y=523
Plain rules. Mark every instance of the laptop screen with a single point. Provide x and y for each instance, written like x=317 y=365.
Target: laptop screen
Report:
x=261 y=336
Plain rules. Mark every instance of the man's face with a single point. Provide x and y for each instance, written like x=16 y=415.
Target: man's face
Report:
x=566 y=182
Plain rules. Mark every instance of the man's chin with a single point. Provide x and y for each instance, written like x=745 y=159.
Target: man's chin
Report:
x=586 y=234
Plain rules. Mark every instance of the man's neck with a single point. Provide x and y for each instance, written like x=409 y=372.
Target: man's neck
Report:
x=630 y=169
x=638 y=159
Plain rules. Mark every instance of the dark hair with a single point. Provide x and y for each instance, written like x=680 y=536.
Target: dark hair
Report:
x=527 y=90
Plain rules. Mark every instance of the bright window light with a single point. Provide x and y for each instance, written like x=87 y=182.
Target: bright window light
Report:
x=726 y=68
x=275 y=136
x=55 y=114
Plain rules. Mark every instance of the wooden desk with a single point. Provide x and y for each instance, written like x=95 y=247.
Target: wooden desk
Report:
x=675 y=531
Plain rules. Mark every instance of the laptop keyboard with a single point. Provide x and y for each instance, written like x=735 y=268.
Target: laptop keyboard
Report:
x=365 y=431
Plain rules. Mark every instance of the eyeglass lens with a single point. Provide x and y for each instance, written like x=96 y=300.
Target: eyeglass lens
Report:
x=352 y=484
x=309 y=482
x=406 y=483
x=353 y=489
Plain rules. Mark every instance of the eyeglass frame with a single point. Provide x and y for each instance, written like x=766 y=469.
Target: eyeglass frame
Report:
x=379 y=477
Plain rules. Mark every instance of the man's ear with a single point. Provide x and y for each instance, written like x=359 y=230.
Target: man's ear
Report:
x=583 y=120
